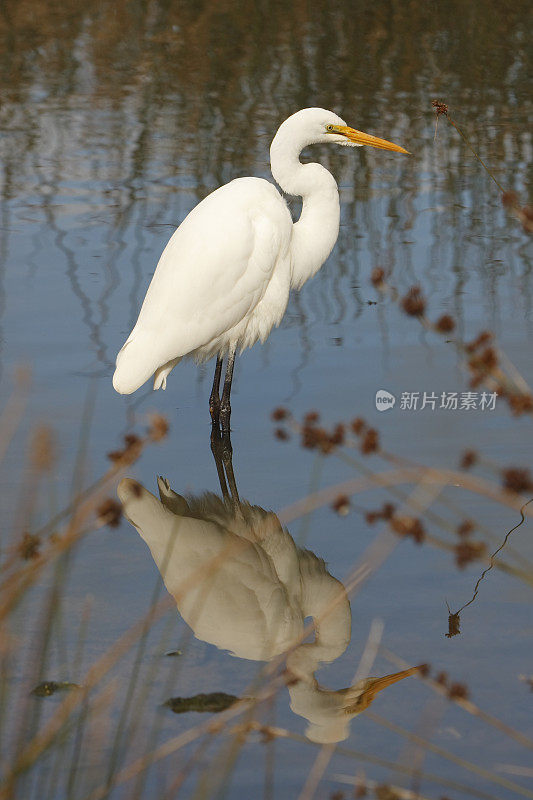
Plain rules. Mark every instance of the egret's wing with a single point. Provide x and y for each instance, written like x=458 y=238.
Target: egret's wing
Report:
x=213 y=272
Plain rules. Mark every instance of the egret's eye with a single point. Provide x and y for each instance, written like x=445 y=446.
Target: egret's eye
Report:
x=330 y=128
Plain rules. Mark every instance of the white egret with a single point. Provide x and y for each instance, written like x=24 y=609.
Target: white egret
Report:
x=223 y=280
x=241 y=583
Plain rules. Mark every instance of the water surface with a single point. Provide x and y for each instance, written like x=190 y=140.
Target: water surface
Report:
x=115 y=120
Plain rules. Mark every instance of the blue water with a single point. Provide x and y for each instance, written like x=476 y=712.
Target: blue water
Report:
x=103 y=154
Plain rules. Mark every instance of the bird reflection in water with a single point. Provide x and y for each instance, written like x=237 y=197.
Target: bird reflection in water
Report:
x=242 y=584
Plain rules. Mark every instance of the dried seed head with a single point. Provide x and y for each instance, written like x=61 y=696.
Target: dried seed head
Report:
x=357 y=425
x=465 y=528
x=489 y=359
x=386 y=512
x=29 y=546
x=440 y=108
x=267 y=734
x=279 y=413
x=520 y=403
x=482 y=363
x=408 y=526
x=445 y=324
x=325 y=444
x=311 y=436
x=413 y=302
x=158 y=427
x=370 y=442
x=458 y=691
x=281 y=434
x=466 y=552
x=341 y=505
x=314 y=437
x=517 y=479
x=385 y=792
x=133 y=448
x=109 y=513
x=481 y=339
x=337 y=437
x=509 y=199
x=377 y=276
x=468 y=459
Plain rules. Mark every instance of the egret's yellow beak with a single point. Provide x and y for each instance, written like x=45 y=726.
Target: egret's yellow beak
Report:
x=375 y=685
x=358 y=137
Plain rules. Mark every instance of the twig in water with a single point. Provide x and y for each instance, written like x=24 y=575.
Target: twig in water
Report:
x=442 y=109
x=510 y=200
x=454 y=619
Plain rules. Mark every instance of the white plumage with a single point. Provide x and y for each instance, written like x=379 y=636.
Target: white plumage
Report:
x=223 y=280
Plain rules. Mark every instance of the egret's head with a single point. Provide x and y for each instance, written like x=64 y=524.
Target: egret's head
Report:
x=317 y=125
x=330 y=718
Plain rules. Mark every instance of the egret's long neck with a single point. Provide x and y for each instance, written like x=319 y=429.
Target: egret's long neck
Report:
x=316 y=231
x=324 y=599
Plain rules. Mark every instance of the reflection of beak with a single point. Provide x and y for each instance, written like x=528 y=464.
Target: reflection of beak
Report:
x=375 y=685
x=358 y=137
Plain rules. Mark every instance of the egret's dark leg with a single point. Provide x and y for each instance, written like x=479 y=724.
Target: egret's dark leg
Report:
x=225 y=405
x=216 y=449
x=214 y=399
x=227 y=459
x=223 y=455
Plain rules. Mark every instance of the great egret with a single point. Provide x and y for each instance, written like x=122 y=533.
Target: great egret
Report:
x=241 y=583
x=224 y=278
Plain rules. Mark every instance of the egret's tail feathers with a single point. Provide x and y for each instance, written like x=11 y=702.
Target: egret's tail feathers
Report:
x=134 y=366
x=137 y=362
x=171 y=500
x=160 y=377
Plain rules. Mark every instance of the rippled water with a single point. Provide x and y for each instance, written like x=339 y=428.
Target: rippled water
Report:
x=115 y=120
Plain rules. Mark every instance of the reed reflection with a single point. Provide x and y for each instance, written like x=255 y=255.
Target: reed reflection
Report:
x=242 y=584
